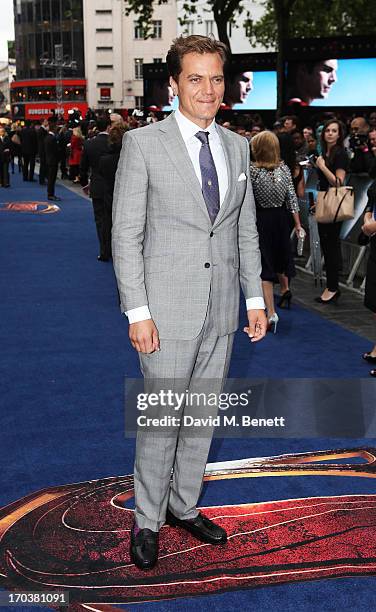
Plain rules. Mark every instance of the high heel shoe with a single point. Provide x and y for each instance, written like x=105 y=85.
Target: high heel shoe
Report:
x=332 y=300
x=273 y=321
x=285 y=297
x=368 y=357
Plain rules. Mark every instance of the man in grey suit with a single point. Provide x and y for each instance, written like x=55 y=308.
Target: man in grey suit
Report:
x=184 y=234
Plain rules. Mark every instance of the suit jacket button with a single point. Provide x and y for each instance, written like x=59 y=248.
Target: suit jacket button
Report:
x=211 y=234
x=207 y=265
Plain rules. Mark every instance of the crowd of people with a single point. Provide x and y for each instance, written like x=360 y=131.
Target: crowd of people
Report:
x=86 y=152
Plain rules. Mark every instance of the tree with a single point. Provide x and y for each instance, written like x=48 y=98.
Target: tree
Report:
x=224 y=12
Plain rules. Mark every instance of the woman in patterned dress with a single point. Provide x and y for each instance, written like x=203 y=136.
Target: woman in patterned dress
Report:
x=275 y=200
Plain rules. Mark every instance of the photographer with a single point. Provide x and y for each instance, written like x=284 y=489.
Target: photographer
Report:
x=358 y=145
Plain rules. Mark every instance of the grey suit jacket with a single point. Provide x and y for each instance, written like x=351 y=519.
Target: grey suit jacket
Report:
x=166 y=252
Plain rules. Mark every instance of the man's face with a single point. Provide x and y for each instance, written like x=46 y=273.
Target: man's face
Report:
x=2 y=132
x=372 y=119
x=200 y=87
x=245 y=80
x=372 y=139
x=318 y=83
x=289 y=125
x=325 y=75
x=297 y=139
x=358 y=126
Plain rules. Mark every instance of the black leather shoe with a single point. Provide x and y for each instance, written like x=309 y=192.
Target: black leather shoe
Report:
x=201 y=527
x=103 y=258
x=144 y=548
x=368 y=357
x=54 y=198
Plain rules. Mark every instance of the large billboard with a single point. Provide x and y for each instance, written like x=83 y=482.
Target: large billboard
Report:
x=332 y=82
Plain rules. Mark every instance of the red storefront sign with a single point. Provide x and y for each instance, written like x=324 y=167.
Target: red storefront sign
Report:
x=43 y=110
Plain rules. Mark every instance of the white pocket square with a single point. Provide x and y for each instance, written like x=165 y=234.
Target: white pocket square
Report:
x=242 y=177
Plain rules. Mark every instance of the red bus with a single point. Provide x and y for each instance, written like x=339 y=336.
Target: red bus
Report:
x=34 y=99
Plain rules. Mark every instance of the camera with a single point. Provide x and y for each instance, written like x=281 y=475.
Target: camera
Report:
x=358 y=140
x=313 y=158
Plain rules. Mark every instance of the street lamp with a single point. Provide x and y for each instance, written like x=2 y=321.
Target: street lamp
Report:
x=59 y=62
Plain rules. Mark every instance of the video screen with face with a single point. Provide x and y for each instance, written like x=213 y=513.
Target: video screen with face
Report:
x=332 y=82
x=244 y=90
x=251 y=90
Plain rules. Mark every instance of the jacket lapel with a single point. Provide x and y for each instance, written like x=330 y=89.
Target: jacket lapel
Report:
x=228 y=148
x=174 y=145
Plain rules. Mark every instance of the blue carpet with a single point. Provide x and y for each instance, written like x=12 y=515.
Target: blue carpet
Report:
x=64 y=355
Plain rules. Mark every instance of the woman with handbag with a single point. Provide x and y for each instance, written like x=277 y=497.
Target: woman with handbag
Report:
x=369 y=230
x=276 y=201
x=331 y=168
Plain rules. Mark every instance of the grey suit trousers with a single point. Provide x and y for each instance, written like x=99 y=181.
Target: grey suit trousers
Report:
x=183 y=364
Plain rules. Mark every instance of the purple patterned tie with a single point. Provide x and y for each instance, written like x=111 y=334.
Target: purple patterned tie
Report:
x=210 y=188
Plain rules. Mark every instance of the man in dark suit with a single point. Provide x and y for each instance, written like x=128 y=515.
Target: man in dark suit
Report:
x=5 y=146
x=41 y=136
x=92 y=152
x=52 y=159
x=29 y=148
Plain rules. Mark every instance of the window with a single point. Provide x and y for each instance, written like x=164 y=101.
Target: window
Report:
x=157 y=60
x=105 y=66
x=209 y=23
x=189 y=28
x=139 y=101
x=98 y=30
x=156 y=32
x=138 y=31
x=138 y=72
x=105 y=84
x=105 y=93
x=103 y=12
x=104 y=48
x=229 y=29
x=157 y=28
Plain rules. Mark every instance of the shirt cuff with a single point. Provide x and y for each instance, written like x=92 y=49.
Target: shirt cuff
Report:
x=135 y=315
x=255 y=303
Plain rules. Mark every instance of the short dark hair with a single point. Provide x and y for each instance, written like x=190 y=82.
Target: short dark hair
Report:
x=102 y=123
x=192 y=44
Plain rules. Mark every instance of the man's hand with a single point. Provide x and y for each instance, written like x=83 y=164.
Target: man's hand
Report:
x=144 y=336
x=257 y=324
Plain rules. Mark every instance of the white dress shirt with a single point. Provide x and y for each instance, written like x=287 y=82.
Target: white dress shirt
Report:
x=188 y=129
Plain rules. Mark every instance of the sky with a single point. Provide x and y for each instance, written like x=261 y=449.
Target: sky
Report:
x=6 y=27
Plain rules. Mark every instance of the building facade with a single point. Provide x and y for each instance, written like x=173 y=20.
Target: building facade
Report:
x=41 y=27
x=202 y=22
x=115 y=51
